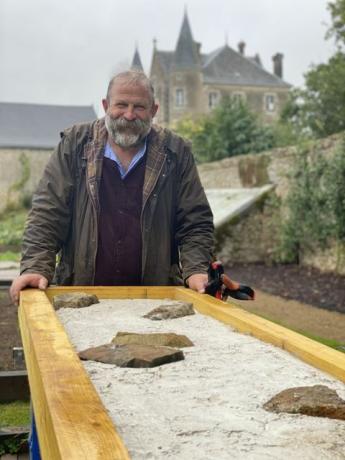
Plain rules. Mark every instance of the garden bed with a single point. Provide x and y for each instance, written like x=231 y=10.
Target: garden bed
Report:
x=210 y=404
x=229 y=397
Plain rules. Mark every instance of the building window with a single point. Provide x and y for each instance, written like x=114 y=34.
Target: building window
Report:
x=239 y=96
x=179 y=97
x=270 y=103
x=213 y=99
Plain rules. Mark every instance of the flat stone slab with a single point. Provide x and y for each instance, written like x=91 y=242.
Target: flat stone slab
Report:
x=132 y=355
x=155 y=338
x=317 y=401
x=9 y=265
x=14 y=430
x=8 y=271
x=74 y=300
x=228 y=203
x=171 y=311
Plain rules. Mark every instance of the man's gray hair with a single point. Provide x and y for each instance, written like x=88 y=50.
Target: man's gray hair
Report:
x=130 y=78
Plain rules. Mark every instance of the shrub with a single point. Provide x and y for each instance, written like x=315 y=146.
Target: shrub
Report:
x=231 y=129
x=315 y=204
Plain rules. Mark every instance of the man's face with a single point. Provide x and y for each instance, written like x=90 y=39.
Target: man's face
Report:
x=128 y=114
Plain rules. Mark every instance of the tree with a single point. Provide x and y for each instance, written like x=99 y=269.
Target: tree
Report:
x=337 y=30
x=231 y=129
x=325 y=96
x=320 y=107
x=314 y=214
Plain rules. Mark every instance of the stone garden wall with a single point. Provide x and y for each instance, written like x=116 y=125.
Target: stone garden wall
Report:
x=254 y=237
x=20 y=172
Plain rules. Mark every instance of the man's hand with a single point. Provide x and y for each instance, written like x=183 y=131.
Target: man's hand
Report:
x=27 y=280
x=198 y=282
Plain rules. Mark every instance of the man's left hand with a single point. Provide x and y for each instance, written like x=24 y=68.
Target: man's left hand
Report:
x=198 y=282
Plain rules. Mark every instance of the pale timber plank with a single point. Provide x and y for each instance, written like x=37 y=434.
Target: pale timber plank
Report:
x=72 y=422
x=308 y=350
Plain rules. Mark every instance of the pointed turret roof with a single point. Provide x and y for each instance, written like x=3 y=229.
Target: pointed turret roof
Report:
x=136 y=62
x=186 y=52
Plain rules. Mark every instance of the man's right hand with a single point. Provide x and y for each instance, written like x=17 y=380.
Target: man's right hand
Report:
x=33 y=280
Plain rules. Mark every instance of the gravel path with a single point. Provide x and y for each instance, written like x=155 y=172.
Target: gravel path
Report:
x=209 y=405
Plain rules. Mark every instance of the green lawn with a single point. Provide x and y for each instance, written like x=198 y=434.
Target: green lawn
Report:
x=9 y=256
x=11 y=232
x=16 y=413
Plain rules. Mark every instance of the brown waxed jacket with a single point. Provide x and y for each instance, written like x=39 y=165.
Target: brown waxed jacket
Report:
x=176 y=220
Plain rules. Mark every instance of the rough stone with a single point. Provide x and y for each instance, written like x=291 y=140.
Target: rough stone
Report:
x=132 y=355
x=171 y=311
x=13 y=430
x=157 y=339
x=317 y=401
x=74 y=300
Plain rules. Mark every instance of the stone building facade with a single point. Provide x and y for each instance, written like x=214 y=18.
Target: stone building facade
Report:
x=189 y=83
x=28 y=135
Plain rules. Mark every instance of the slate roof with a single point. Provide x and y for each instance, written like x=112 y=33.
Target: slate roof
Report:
x=256 y=59
x=186 y=52
x=37 y=125
x=226 y=66
x=136 y=63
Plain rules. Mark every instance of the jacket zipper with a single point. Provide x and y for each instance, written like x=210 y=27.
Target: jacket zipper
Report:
x=96 y=234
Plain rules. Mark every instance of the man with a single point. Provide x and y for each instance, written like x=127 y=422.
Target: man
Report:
x=120 y=202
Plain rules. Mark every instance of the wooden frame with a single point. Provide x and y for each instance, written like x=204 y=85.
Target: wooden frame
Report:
x=72 y=422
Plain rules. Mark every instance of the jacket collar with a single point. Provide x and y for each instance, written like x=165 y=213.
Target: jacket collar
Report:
x=94 y=153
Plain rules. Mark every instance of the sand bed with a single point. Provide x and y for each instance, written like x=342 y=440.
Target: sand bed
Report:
x=209 y=405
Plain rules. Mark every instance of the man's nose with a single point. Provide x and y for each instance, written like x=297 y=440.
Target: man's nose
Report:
x=129 y=113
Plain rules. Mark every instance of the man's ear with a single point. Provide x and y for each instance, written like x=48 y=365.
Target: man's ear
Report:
x=105 y=105
x=154 y=110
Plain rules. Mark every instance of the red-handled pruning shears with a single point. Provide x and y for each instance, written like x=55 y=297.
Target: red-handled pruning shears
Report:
x=221 y=286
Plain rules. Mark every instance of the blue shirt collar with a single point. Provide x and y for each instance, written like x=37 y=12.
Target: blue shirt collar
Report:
x=111 y=154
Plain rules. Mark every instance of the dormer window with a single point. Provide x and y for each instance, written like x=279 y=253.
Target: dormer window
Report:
x=179 y=97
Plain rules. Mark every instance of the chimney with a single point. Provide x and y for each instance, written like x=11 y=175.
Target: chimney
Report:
x=241 y=47
x=278 y=65
x=257 y=59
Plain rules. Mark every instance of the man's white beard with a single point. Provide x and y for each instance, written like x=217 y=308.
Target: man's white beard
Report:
x=127 y=133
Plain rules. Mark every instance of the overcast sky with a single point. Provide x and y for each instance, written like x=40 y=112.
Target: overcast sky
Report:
x=64 y=51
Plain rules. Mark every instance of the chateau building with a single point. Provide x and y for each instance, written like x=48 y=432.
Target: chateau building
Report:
x=189 y=83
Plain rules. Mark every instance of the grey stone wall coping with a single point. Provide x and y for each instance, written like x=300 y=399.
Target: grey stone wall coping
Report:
x=226 y=204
